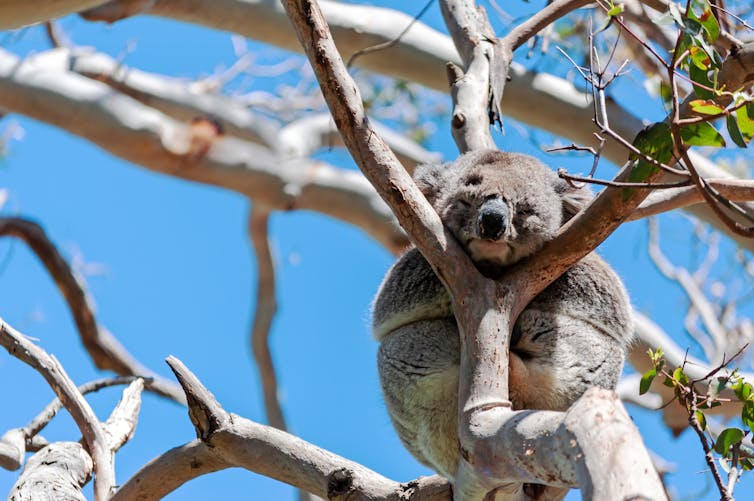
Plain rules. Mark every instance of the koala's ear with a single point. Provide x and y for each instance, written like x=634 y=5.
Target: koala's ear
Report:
x=430 y=178
x=574 y=199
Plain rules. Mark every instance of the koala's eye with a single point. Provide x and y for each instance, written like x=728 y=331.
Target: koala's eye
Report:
x=525 y=210
x=463 y=203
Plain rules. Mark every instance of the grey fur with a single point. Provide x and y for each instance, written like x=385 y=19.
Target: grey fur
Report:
x=571 y=336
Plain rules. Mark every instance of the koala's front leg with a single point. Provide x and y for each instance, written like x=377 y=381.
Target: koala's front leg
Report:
x=418 y=369
x=556 y=357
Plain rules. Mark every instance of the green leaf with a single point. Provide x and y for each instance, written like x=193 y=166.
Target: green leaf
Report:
x=701 y=77
x=728 y=437
x=746 y=463
x=734 y=132
x=742 y=389
x=615 y=11
x=700 y=58
x=745 y=119
x=646 y=381
x=679 y=376
x=706 y=106
x=747 y=414
x=707 y=21
x=685 y=44
x=702 y=420
x=701 y=134
x=656 y=142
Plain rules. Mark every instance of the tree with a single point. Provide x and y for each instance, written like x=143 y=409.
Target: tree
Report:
x=193 y=131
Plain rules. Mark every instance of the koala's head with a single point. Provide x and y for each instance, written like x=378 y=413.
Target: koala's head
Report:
x=500 y=206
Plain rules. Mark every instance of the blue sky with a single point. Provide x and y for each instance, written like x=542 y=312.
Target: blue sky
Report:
x=175 y=275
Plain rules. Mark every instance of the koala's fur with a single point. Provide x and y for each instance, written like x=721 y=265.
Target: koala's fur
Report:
x=570 y=337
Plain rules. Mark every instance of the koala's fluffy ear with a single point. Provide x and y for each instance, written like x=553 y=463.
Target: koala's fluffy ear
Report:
x=430 y=178
x=574 y=199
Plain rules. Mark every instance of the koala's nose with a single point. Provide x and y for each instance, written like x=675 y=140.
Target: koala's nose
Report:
x=493 y=219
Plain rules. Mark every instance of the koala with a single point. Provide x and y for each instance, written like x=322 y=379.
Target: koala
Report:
x=501 y=207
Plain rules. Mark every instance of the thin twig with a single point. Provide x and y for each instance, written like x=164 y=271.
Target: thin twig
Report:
x=390 y=43
x=708 y=457
x=617 y=184
x=45 y=416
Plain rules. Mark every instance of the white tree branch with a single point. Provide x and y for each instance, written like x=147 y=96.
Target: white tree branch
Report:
x=92 y=430
x=61 y=469
x=58 y=471
x=159 y=143
x=175 y=97
x=659 y=201
x=227 y=440
x=305 y=136
x=18 y=13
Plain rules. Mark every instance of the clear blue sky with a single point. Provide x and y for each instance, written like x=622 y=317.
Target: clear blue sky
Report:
x=178 y=278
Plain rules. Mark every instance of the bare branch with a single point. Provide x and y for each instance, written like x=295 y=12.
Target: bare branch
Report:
x=148 y=138
x=737 y=190
x=175 y=97
x=476 y=88
x=374 y=158
x=12 y=449
x=42 y=419
x=17 y=13
x=121 y=9
x=105 y=350
x=693 y=291
x=121 y=424
x=228 y=440
x=94 y=435
x=264 y=313
x=59 y=471
x=303 y=137
x=539 y=21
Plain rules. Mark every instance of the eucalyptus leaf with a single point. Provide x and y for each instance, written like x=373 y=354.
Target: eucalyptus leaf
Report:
x=701 y=134
x=646 y=380
x=728 y=437
x=734 y=131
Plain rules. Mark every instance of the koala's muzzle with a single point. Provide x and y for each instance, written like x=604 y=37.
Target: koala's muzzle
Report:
x=493 y=219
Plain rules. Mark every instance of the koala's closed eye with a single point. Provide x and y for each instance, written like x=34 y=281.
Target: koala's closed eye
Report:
x=525 y=210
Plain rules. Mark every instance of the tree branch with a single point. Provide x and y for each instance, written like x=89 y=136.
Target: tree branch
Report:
x=735 y=190
x=61 y=469
x=17 y=13
x=373 y=156
x=305 y=136
x=175 y=97
x=482 y=80
x=155 y=141
x=228 y=440
x=105 y=350
x=264 y=313
x=93 y=432
x=522 y=32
